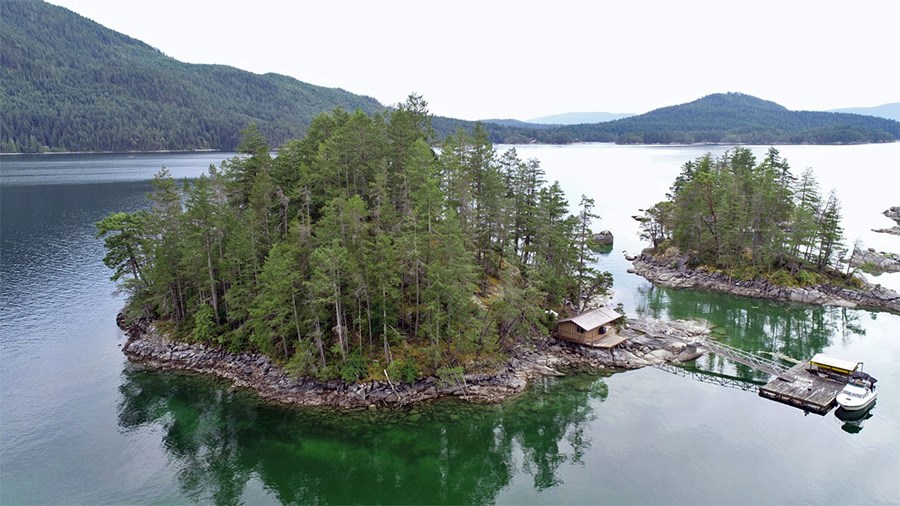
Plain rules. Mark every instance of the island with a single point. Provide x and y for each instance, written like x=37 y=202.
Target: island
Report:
x=360 y=266
x=749 y=228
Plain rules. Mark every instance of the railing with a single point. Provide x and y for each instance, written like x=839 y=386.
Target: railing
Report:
x=749 y=359
x=707 y=377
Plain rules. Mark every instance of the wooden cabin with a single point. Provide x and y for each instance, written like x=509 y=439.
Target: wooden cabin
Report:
x=595 y=328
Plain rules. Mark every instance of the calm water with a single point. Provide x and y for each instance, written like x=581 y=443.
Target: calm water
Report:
x=78 y=424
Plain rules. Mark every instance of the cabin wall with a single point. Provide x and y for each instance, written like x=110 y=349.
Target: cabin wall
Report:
x=569 y=332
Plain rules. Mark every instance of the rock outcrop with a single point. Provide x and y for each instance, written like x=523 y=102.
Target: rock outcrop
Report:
x=650 y=342
x=869 y=296
x=604 y=238
x=873 y=262
x=894 y=214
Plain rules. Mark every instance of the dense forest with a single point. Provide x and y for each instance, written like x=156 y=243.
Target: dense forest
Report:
x=359 y=249
x=67 y=83
x=751 y=220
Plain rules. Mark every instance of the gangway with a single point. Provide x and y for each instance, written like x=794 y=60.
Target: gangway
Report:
x=749 y=359
x=710 y=377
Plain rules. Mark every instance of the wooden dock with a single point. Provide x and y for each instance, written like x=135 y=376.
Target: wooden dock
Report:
x=803 y=390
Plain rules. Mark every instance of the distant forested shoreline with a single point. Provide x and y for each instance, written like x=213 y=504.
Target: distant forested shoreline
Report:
x=70 y=84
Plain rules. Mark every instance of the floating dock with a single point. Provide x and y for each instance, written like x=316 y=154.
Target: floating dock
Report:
x=803 y=389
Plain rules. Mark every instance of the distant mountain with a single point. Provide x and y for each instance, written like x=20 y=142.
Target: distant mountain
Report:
x=577 y=118
x=68 y=83
x=517 y=123
x=724 y=118
x=889 y=111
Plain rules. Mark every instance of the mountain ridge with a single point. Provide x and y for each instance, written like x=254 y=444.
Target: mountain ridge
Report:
x=726 y=118
x=577 y=118
x=70 y=84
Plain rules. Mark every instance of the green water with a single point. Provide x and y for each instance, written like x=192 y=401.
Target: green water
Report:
x=445 y=452
x=633 y=437
x=80 y=425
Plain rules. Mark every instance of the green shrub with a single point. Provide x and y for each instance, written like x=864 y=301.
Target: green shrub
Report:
x=782 y=277
x=303 y=361
x=354 y=368
x=448 y=376
x=403 y=370
x=204 y=324
x=807 y=278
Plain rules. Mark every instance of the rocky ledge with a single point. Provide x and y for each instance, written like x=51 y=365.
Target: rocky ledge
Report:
x=869 y=296
x=894 y=214
x=650 y=342
x=874 y=262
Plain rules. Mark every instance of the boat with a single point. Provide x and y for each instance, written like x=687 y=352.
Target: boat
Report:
x=859 y=392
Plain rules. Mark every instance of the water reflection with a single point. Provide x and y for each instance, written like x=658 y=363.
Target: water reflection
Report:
x=756 y=325
x=853 y=421
x=220 y=439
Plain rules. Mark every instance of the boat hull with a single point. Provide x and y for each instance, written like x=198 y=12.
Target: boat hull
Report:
x=849 y=403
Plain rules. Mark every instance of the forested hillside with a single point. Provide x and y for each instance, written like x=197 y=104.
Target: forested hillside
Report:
x=730 y=118
x=359 y=249
x=68 y=83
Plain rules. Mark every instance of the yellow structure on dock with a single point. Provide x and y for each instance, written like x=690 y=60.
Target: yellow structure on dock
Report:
x=812 y=386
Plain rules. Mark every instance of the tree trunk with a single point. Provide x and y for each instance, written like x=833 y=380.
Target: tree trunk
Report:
x=318 y=336
x=387 y=347
x=338 y=315
x=214 y=297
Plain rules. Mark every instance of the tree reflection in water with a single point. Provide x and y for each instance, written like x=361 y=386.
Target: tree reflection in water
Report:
x=755 y=325
x=219 y=439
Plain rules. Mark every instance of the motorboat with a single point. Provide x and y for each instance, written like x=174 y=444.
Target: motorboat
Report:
x=859 y=392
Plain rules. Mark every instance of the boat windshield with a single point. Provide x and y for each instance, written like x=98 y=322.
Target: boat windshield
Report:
x=854 y=391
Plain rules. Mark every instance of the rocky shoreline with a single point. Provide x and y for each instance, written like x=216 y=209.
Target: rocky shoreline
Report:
x=868 y=297
x=650 y=342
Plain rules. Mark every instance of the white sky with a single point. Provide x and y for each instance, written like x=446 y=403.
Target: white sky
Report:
x=522 y=59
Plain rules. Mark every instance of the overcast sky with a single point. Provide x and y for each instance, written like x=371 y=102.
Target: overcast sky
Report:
x=523 y=59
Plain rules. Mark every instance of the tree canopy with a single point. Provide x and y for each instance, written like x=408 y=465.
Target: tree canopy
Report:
x=359 y=249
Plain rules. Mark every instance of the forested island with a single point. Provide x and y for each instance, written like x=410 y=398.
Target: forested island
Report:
x=70 y=84
x=752 y=228
x=358 y=252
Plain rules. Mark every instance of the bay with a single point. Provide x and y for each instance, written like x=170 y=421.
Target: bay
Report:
x=79 y=425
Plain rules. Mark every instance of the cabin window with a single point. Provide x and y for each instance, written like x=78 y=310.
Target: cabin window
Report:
x=580 y=330
x=603 y=329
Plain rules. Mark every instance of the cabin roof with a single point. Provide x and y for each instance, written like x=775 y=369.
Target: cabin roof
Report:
x=594 y=318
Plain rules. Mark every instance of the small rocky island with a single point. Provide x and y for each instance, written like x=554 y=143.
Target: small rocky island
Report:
x=649 y=342
x=894 y=214
x=676 y=274
x=737 y=225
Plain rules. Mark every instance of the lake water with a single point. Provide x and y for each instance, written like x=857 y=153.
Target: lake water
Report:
x=79 y=425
